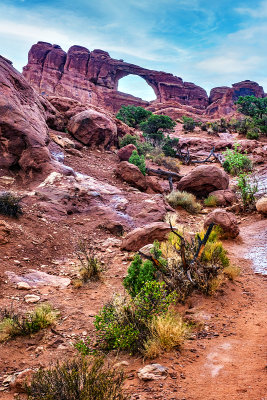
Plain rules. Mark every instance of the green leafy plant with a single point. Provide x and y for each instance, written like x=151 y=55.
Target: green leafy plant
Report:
x=155 y=127
x=123 y=323
x=139 y=161
x=185 y=200
x=14 y=324
x=9 y=204
x=189 y=123
x=84 y=347
x=235 y=162
x=247 y=189
x=256 y=108
x=78 y=379
x=132 y=115
x=142 y=147
x=139 y=273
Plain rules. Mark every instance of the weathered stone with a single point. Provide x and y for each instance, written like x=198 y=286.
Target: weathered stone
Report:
x=36 y=278
x=152 y=372
x=19 y=380
x=224 y=197
x=5 y=232
x=226 y=220
x=23 y=286
x=204 y=179
x=261 y=205
x=125 y=152
x=93 y=129
x=139 y=237
x=31 y=298
x=131 y=174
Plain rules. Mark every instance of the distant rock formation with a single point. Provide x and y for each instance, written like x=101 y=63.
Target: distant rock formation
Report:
x=92 y=77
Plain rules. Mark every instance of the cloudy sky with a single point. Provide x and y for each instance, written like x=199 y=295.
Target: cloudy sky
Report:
x=210 y=43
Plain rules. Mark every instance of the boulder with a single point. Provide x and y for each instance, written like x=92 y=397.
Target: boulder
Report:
x=31 y=298
x=226 y=220
x=204 y=179
x=261 y=205
x=224 y=197
x=93 y=129
x=139 y=237
x=125 y=152
x=131 y=174
x=152 y=372
x=153 y=185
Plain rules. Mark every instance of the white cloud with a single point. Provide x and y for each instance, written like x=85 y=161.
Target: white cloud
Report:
x=256 y=12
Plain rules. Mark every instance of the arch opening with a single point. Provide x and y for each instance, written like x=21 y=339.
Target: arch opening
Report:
x=136 y=86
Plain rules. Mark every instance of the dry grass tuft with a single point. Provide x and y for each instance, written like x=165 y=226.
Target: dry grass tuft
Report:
x=167 y=331
x=210 y=201
x=232 y=272
x=183 y=199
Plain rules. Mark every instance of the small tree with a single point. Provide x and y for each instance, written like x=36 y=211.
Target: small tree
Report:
x=139 y=161
x=155 y=127
x=256 y=108
x=132 y=115
x=189 y=123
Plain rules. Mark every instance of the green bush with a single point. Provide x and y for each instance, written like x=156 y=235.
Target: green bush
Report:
x=9 y=204
x=142 y=147
x=123 y=323
x=139 y=273
x=247 y=189
x=169 y=146
x=210 y=201
x=235 y=162
x=132 y=115
x=155 y=127
x=189 y=123
x=14 y=324
x=139 y=161
x=256 y=108
x=77 y=379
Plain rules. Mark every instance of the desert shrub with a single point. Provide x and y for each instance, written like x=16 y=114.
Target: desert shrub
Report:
x=90 y=267
x=132 y=115
x=183 y=271
x=256 y=108
x=203 y=126
x=142 y=147
x=77 y=379
x=84 y=347
x=169 y=147
x=253 y=134
x=235 y=162
x=210 y=201
x=139 y=273
x=158 y=157
x=232 y=272
x=185 y=200
x=9 y=204
x=123 y=323
x=167 y=331
x=14 y=324
x=155 y=127
x=139 y=161
x=189 y=123
x=247 y=188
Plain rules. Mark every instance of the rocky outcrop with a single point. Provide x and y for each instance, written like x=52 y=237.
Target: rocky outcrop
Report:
x=223 y=99
x=204 y=179
x=23 y=129
x=225 y=220
x=93 y=78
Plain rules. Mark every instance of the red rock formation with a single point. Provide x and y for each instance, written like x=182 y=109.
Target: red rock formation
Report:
x=223 y=99
x=23 y=130
x=93 y=78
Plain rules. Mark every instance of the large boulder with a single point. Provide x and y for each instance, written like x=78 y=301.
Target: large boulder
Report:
x=225 y=220
x=261 y=205
x=224 y=197
x=131 y=174
x=93 y=128
x=204 y=179
x=139 y=237
x=125 y=152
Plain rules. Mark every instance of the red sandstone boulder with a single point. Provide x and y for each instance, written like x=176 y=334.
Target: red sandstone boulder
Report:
x=131 y=174
x=125 y=152
x=224 y=197
x=226 y=220
x=93 y=128
x=153 y=185
x=204 y=179
x=140 y=237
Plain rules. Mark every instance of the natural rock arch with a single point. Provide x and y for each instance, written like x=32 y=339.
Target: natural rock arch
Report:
x=138 y=80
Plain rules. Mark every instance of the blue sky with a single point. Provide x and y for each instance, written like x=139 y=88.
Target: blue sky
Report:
x=210 y=43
